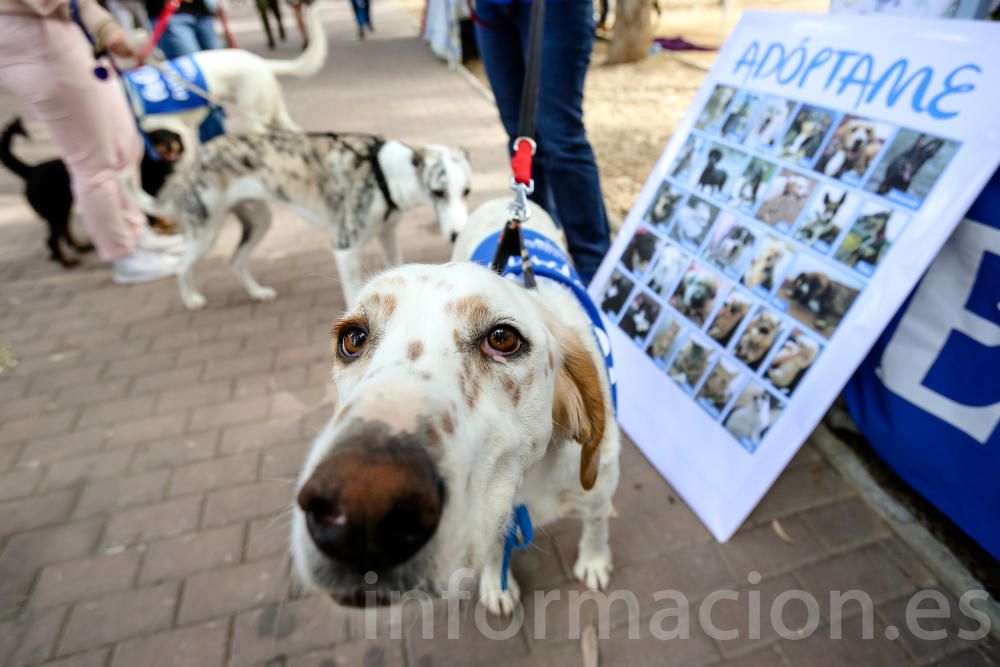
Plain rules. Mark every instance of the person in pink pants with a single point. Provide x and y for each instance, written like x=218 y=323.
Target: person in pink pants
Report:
x=46 y=60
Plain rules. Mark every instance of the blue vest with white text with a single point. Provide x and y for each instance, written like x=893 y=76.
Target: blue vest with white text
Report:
x=154 y=92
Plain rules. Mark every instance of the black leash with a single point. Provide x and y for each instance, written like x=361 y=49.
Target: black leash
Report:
x=511 y=243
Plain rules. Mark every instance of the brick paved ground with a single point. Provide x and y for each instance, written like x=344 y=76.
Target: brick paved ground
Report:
x=147 y=456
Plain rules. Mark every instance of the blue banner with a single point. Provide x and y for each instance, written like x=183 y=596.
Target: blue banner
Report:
x=928 y=395
x=156 y=92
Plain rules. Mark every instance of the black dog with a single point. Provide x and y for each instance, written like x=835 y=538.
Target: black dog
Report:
x=712 y=178
x=639 y=252
x=754 y=177
x=904 y=167
x=49 y=192
x=616 y=294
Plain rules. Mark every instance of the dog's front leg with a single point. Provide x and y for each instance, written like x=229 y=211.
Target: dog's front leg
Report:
x=389 y=240
x=593 y=563
x=496 y=600
x=349 y=269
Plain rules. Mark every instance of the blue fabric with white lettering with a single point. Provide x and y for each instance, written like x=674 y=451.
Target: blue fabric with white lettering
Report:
x=157 y=93
x=928 y=395
x=549 y=261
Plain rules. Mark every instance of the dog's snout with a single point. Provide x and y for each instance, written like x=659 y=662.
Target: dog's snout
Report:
x=372 y=506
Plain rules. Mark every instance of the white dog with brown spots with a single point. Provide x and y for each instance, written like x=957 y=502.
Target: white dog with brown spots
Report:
x=461 y=396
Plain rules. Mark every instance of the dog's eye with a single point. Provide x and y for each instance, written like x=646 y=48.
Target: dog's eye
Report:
x=438 y=194
x=352 y=342
x=501 y=341
x=466 y=191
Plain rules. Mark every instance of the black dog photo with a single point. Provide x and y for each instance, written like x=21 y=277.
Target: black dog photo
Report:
x=616 y=293
x=910 y=167
x=639 y=317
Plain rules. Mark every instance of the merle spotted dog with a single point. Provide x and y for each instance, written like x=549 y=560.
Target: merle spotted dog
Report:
x=354 y=185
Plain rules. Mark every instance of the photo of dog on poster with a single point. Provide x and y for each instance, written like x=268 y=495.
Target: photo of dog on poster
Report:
x=730 y=244
x=616 y=293
x=762 y=331
x=786 y=196
x=794 y=358
x=910 y=167
x=691 y=363
x=695 y=296
x=870 y=237
x=717 y=170
x=714 y=110
x=816 y=295
x=683 y=167
x=639 y=253
x=769 y=126
x=729 y=316
x=752 y=415
x=853 y=148
x=665 y=205
x=720 y=386
x=665 y=341
x=828 y=214
x=806 y=134
x=772 y=258
x=639 y=317
x=752 y=184
x=693 y=222
x=738 y=116
x=667 y=269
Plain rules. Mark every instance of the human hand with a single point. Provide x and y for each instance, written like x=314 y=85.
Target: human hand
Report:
x=117 y=42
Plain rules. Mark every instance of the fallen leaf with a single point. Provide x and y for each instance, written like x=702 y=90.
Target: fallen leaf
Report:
x=779 y=530
x=588 y=646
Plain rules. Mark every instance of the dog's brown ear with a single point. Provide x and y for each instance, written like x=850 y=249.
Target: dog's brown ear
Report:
x=579 y=407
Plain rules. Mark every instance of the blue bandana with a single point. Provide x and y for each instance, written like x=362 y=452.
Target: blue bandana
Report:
x=154 y=92
x=549 y=261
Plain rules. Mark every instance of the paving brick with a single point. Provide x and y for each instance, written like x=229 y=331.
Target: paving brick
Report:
x=201 y=645
x=186 y=339
x=218 y=473
x=262 y=499
x=118 y=617
x=27 y=428
x=82 y=468
x=799 y=488
x=762 y=549
x=183 y=377
x=909 y=563
x=751 y=620
x=44 y=450
x=113 y=412
x=471 y=647
x=313 y=353
x=29 y=551
x=845 y=524
x=95 y=658
x=227 y=590
x=266 y=383
x=136 y=431
x=965 y=659
x=167 y=519
x=19 y=483
x=31 y=638
x=381 y=653
x=236 y=411
x=868 y=569
x=820 y=650
x=268 y=536
x=36 y=405
x=110 y=495
x=198 y=395
x=213 y=352
x=89 y=394
x=266 y=325
x=66 y=377
x=146 y=364
x=912 y=630
x=283 y=462
x=185 y=555
x=284 y=629
x=89 y=577
x=766 y=657
x=226 y=368
x=36 y=511
x=648 y=651
x=261 y=434
x=175 y=451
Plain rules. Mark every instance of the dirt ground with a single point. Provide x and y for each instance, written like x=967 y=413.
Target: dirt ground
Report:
x=631 y=110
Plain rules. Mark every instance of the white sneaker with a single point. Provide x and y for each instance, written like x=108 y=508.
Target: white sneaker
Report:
x=150 y=240
x=142 y=266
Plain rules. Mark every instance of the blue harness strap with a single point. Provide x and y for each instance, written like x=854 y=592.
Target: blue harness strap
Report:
x=548 y=261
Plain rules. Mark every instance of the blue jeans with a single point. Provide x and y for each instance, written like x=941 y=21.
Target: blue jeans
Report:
x=187 y=34
x=567 y=184
x=362 y=12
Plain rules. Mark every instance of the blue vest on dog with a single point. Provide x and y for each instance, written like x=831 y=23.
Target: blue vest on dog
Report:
x=155 y=93
x=549 y=261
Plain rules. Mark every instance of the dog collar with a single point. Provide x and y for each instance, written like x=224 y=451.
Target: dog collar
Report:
x=549 y=261
x=519 y=536
x=383 y=185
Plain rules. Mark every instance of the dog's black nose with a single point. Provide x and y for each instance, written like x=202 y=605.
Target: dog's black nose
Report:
x=371 y=505
x=454 y=236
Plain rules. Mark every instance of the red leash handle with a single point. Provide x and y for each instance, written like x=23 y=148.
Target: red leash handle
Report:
x=169 y=9
x=520 y=164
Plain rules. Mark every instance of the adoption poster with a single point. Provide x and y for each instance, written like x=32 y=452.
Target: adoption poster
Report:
x=820 y=168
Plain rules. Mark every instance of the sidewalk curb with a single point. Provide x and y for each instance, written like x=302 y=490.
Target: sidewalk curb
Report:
x=953 y=575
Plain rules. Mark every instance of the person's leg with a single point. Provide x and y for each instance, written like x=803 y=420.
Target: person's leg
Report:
x=262 y=10
x=179 y=38
x=564 y=152
x=358 y=7
x=48 y=64
x=204 y=30
x=300 y=20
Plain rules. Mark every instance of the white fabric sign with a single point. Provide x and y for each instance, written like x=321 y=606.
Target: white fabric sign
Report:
x=822 y=165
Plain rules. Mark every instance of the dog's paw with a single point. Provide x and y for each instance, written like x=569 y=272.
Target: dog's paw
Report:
x=262 y=293
x=496 y=601
x=195 y=301
x=594 y=571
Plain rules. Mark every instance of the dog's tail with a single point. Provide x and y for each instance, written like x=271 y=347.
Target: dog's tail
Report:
x=141 y=198
x=313 y=58
x=7 y=156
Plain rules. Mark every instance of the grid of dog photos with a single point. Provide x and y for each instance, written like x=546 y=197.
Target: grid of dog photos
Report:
x=771 y=220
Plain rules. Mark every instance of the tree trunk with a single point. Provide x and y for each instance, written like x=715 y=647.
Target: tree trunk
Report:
x=633 y=34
